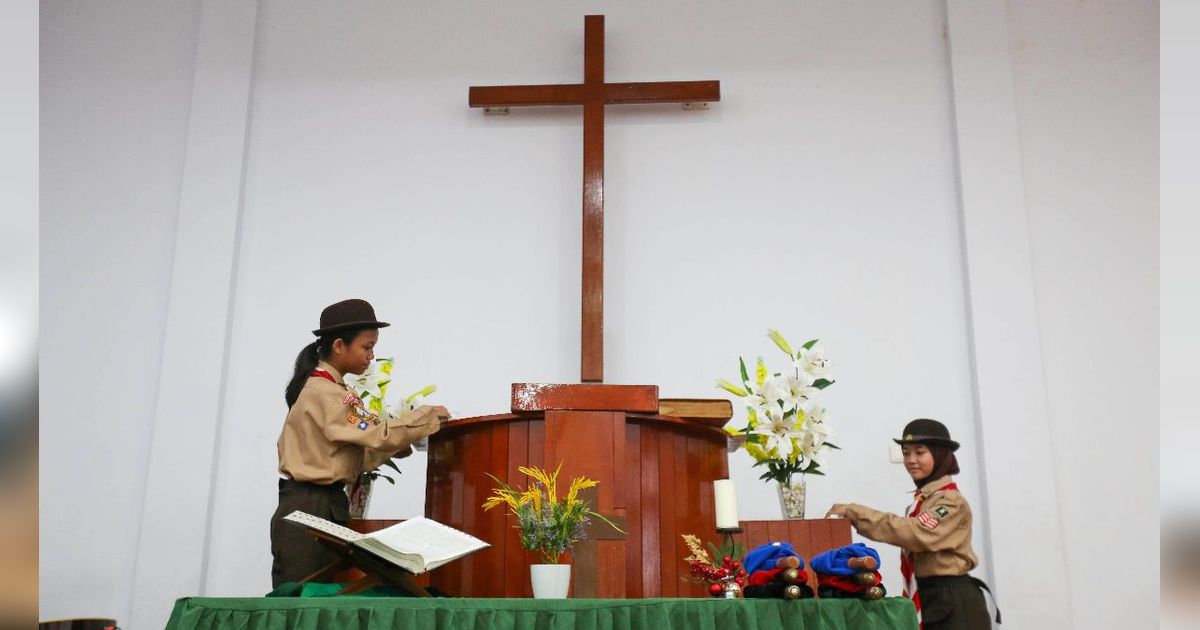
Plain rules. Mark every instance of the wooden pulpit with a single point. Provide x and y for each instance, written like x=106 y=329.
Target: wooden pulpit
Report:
x=655 y=473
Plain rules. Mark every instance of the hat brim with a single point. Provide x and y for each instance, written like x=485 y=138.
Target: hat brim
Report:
x=928 y=440
x=349 y=325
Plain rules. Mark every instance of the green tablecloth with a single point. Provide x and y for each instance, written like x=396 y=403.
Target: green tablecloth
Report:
x=255 y=613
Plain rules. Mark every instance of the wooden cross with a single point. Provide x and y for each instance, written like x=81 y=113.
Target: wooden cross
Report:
x=594 y=94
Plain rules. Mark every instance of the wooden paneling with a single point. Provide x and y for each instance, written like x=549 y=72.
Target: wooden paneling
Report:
x=516 y=558
x=565 y=432
x=633 y=509
x=668 y=488
x=651 y=499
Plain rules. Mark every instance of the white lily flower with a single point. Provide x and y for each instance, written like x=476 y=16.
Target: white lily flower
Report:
x=801 y=388
x=808 y=447
x=778 y=389
x=815 y=414
x=778 y=429
x=778 y=443
x=813 y=361
x=755 y=402
x=364 y=385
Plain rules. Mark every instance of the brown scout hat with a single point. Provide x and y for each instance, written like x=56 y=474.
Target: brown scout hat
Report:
x=928 y=432
x=348 y=314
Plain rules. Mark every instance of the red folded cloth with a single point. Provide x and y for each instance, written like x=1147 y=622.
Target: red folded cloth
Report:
x=759 y=578
x=844 y=583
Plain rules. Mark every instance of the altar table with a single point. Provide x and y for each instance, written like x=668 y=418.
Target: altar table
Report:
x=368 y=613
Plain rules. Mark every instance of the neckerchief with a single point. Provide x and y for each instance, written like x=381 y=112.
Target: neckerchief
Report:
x=906 y=563
x=323 y=374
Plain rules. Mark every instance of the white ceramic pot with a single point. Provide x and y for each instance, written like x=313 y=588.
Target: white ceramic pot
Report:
x=550 y=581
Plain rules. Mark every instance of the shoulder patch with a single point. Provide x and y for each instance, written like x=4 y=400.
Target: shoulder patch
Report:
x=362 y=426
x=942 y=511
x=928 y=521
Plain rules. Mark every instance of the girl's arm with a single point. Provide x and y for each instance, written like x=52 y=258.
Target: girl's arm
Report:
x=944 y=520
x=386 y=436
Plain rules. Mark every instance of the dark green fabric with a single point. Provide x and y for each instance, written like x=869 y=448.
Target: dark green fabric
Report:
x=347 y=613
x=329 y=589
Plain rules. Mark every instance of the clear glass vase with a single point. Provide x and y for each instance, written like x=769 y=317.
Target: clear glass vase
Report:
x=791 y=498
x=359 y=495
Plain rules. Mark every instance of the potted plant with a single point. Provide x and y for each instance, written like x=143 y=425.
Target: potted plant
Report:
x=550 y=524
x=785 y=426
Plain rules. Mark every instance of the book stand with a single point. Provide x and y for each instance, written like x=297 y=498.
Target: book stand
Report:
x=376 y=570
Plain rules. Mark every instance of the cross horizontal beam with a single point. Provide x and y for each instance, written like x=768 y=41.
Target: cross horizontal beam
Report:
x=611 y=94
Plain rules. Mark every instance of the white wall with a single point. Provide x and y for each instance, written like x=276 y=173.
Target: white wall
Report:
x=820 y=197
x=116 y=84
x=773 y=228
x=1087 y=99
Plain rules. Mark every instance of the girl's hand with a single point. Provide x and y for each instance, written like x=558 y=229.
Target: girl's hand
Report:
x=837 y=509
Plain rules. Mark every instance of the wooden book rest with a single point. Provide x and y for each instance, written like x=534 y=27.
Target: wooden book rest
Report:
x=375 y=570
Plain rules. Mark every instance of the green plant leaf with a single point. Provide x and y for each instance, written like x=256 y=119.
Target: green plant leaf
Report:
x=809 y=344
x=822 y=383
x=742 y=367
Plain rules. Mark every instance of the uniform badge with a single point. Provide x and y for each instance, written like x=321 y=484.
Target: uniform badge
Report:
x=351 y=400
x=942 y=511
x=362 y=412
x=362 y=426
x=375 y=421
x=926 y=519
x=352 y=419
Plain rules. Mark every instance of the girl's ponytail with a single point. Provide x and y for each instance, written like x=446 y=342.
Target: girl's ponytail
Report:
x=306 y=362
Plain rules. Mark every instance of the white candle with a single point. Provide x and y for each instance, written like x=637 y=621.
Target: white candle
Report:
x=725 y=497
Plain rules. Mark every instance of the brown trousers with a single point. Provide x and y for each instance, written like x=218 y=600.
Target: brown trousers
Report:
x=296 y=553
x=952 y=603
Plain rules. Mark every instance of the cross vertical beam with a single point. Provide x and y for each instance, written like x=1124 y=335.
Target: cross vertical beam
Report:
x=591 y=356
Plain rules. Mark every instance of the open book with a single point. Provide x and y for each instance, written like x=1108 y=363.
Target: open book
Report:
x=416 y=545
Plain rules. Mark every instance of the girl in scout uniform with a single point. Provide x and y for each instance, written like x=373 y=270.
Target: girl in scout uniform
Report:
x=329 y=437
x=934 y=535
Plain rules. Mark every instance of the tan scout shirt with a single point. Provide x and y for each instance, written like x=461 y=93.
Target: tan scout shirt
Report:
x=939 y=537
x=323 y=440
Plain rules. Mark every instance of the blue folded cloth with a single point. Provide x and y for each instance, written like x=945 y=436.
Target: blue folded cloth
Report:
x=833 y=562
x=764 y=556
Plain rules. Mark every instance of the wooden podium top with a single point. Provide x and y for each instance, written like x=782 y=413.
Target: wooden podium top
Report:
x=584 y=397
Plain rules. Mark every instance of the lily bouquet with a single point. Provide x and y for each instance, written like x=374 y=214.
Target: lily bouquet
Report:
x=371 y=389
x=785 y=426
x=550 y=524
